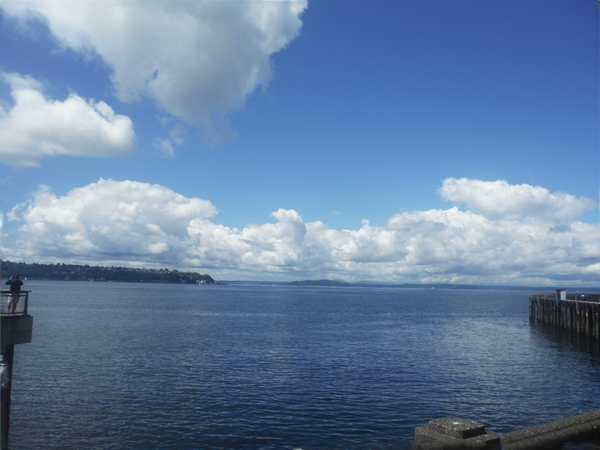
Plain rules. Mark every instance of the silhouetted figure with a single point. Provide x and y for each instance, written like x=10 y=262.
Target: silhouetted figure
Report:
x=15 y=290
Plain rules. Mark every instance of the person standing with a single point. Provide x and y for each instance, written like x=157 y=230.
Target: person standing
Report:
x=15 y=290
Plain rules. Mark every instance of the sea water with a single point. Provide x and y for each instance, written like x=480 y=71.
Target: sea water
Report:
x=164 y=366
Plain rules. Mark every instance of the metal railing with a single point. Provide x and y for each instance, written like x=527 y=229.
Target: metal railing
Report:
x=582 y=298
x=14 y=303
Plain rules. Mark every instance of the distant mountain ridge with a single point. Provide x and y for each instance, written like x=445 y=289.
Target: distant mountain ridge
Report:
x=337 y=283
x=408 y=285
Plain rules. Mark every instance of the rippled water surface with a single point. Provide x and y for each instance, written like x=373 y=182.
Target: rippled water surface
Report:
x=140 y=366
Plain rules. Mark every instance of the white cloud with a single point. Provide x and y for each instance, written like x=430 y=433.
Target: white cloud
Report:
x=139 y=224
x=497 y=199
x=127 y=220
x=197 y=59
x=177 y=133
x=164 y=147
x=36 y=127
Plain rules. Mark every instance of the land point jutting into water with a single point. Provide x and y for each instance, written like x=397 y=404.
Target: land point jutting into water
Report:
x=75 y=272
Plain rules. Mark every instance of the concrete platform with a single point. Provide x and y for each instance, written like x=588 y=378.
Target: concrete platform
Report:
x=576 y=429
x=15 y=329
x=454 y=433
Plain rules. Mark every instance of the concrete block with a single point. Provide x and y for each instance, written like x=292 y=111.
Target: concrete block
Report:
x=15 y=330
x=457 y=427
x=454 y=433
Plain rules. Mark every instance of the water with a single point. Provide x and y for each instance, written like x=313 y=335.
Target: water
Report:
x=141 y=366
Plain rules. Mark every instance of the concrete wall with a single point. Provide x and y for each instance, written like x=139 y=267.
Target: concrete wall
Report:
x=573 y=430
x=15 y=330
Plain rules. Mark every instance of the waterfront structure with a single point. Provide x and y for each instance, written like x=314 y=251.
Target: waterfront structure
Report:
x=16 y=328
x=579 y=314
x=455 y=433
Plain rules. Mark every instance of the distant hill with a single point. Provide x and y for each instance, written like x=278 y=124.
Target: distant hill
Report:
x=369 y=284
x=403 y=286
x=319 y=283
x=76 y=272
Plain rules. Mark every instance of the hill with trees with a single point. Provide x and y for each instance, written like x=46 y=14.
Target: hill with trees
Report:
x=76 y=272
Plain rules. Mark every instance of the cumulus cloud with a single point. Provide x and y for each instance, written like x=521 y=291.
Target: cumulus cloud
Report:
x=196 y=59
x=36 y=127
x=139 y=224
x=498 y=199
x=125 y=220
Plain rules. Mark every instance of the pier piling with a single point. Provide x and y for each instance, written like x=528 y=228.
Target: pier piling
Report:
x=15 y=328
x=579 y=314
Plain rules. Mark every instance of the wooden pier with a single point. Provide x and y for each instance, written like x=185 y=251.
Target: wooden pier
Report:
x=579 y=314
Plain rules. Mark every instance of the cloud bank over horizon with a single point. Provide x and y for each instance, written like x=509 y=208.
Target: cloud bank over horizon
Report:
x=195 y=60
x=512 y=234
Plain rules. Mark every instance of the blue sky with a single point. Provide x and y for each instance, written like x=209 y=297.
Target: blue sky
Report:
x=253 y=140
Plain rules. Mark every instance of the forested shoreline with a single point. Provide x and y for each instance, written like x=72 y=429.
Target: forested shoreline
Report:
x=75 y=272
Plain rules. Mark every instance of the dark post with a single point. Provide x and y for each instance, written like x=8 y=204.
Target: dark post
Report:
x=570 y=318
x=597 y=321
x=588 y=322
x=15 y=328
x=7 y=359
x=533 y=310
x=577 y=317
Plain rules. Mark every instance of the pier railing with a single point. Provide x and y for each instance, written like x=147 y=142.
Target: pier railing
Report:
x=579 y=314
x=14 y=303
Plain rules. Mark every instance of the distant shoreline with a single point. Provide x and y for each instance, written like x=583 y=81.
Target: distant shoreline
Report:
x=332 y=283
x=76 y=272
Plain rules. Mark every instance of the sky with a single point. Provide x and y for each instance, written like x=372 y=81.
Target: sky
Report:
x=381 y=140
